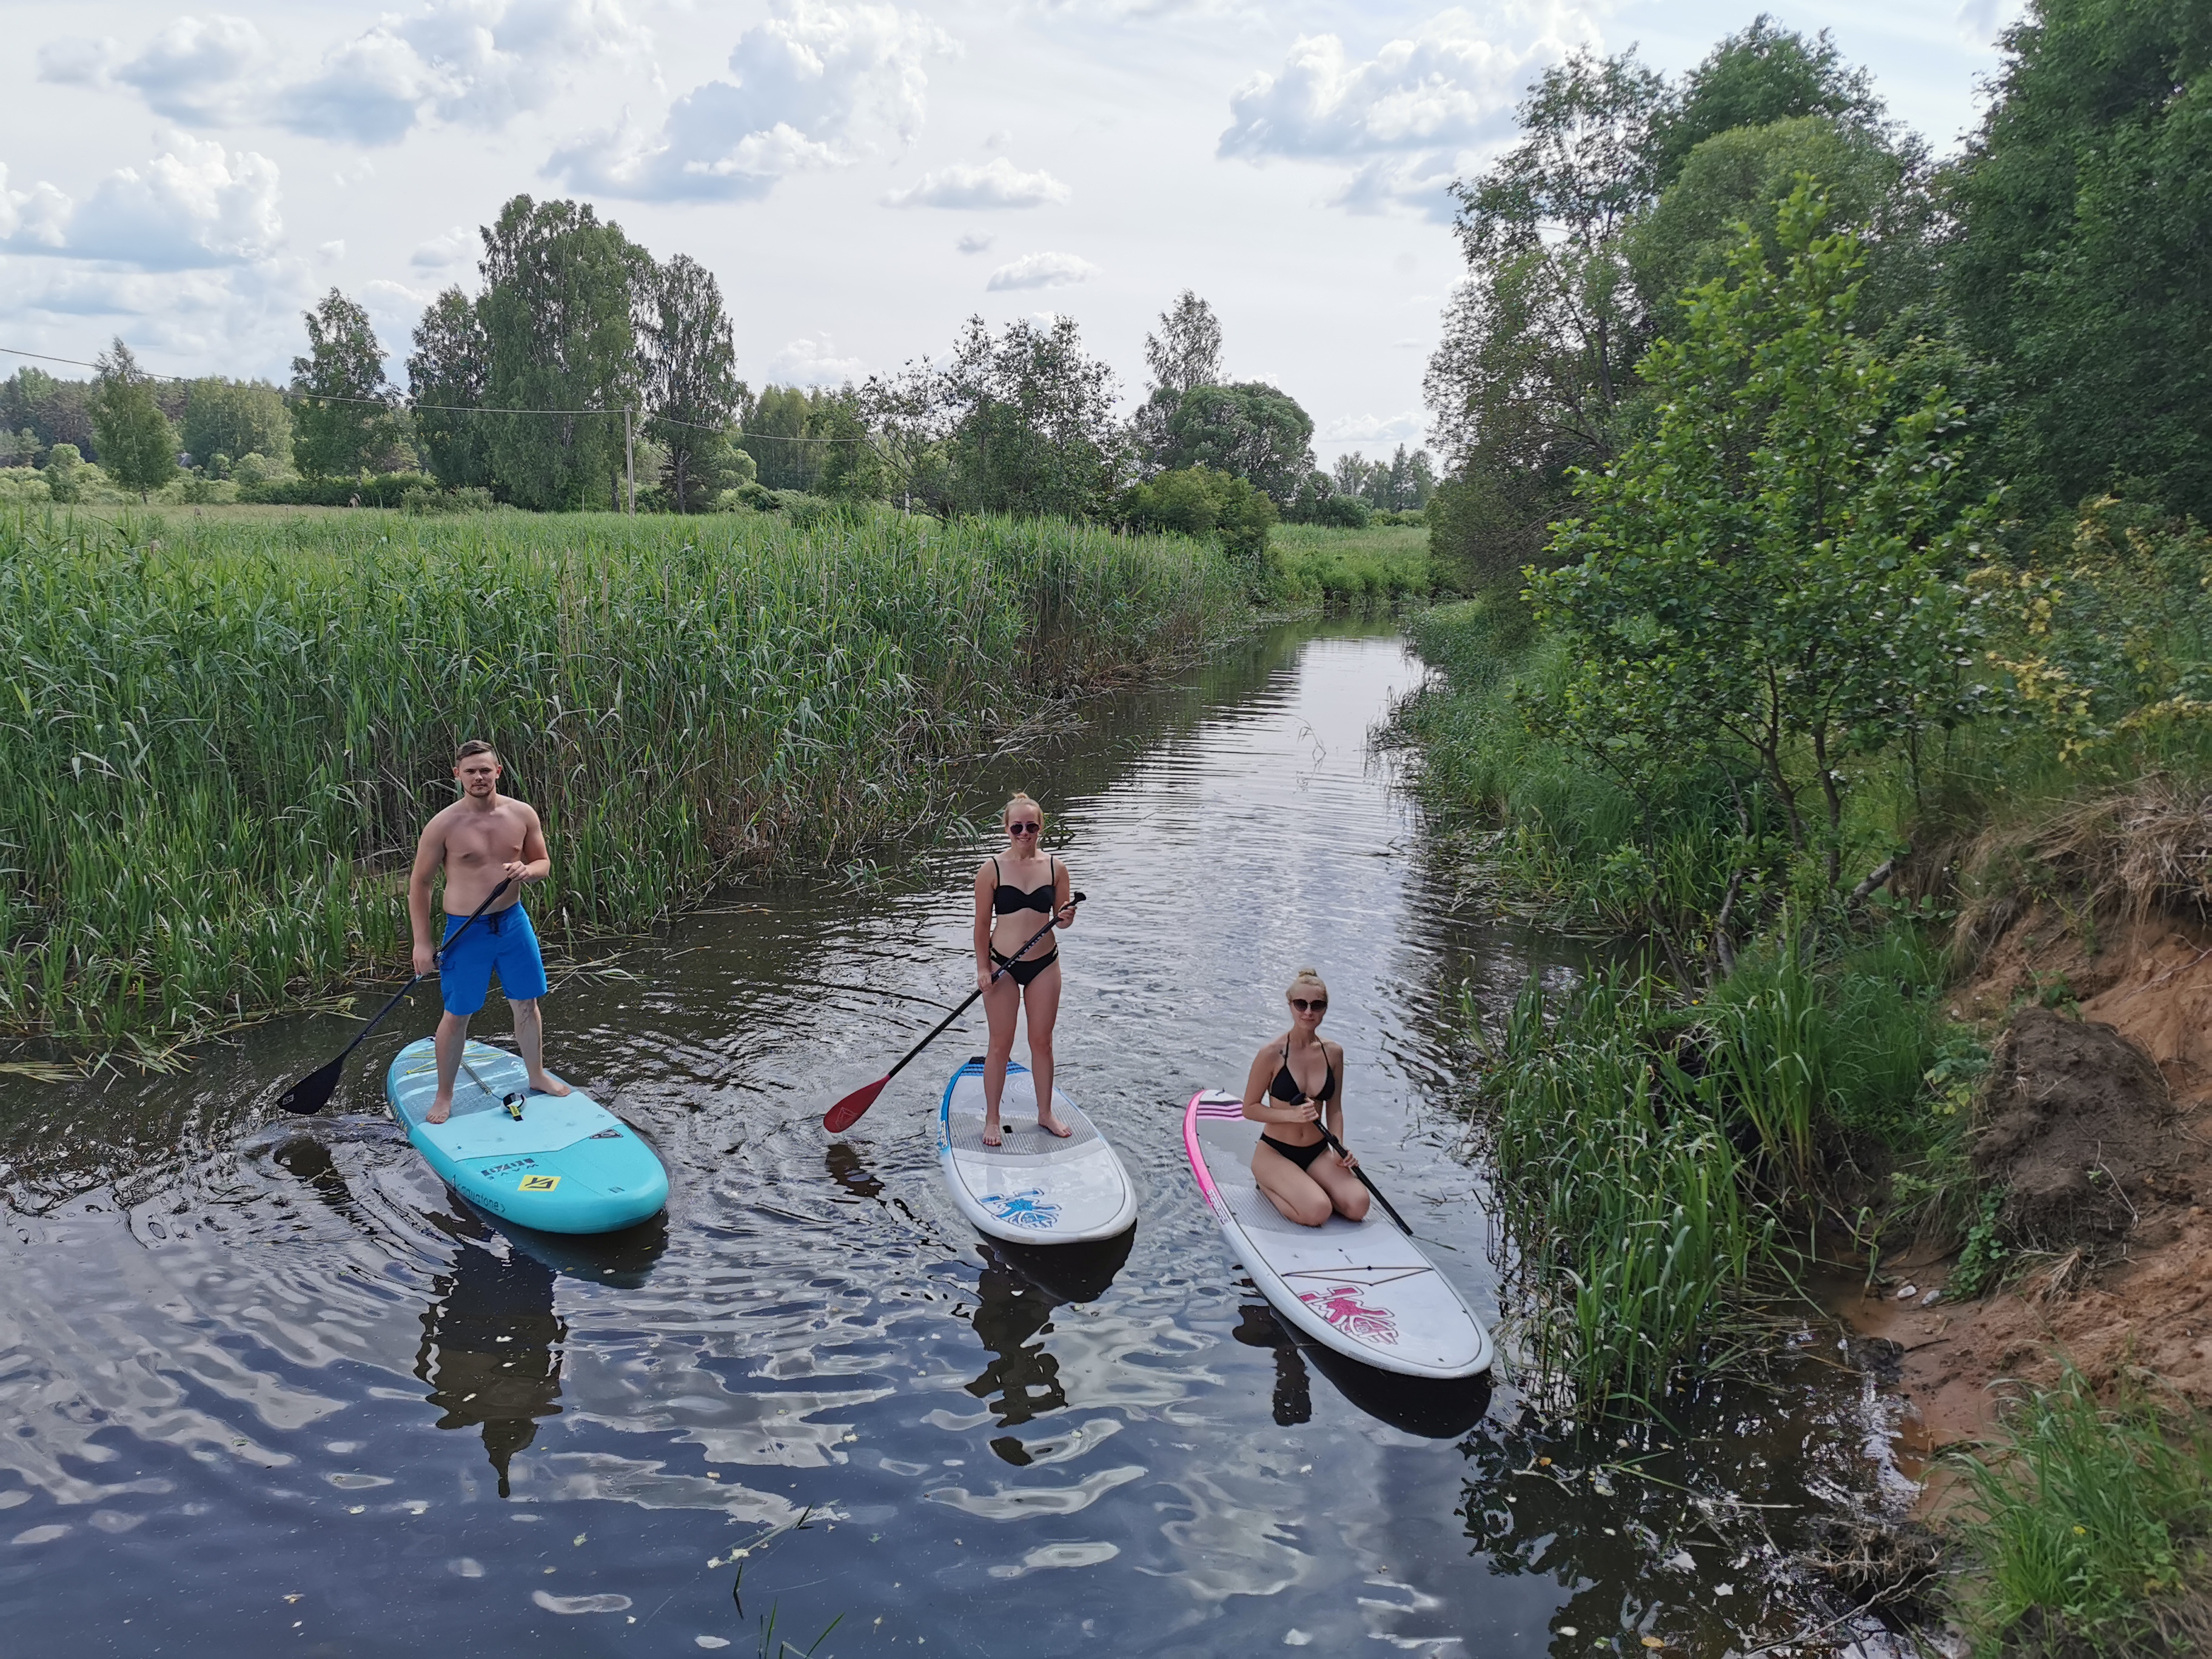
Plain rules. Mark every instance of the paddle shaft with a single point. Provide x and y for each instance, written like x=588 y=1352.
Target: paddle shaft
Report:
x=945 y=1023
x=505 y=883
x=1337 y=1146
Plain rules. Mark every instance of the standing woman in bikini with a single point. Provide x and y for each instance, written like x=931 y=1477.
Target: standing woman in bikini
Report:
x=1293 y=1080
x=1017 y=892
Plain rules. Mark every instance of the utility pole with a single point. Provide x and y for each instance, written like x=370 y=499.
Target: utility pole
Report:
x=629 y=462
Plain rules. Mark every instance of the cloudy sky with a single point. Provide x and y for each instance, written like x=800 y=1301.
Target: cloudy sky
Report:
x=861 y=176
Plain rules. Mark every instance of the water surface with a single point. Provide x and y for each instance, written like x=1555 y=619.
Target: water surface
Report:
x=263 y=1381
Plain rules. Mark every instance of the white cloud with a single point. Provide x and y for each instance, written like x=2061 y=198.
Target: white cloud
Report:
x=32 y=220
x=440 y=253
x=975 y=241
x=196 y=207
x=472 y=63
x=1041 y=270
x=999 y=183
x=243 y=318
x=813 y=85
x=1408 y=118
x=1376 y=428
x=812 y=362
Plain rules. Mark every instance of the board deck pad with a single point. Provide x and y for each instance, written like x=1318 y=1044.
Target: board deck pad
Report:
x=1035 y=1189
x=1362 y=1288
x=568 y=1166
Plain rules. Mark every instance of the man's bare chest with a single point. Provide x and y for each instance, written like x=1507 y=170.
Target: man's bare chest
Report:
x=483 y=837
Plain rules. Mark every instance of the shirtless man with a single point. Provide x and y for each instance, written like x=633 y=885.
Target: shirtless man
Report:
x=481 y=837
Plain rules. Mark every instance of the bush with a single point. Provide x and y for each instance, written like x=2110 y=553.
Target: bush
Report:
x=420 y=502
x=1199 y=501
x=253 y=469
x=372 y=490
x=1344 y=513
x=65 y=470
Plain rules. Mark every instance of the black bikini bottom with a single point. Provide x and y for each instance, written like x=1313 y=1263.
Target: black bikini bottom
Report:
x=1022 y=972
x=1301 y=1156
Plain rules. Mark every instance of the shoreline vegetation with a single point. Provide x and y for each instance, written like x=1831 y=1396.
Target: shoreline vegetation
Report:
x=1837 y=637
x=222 y=736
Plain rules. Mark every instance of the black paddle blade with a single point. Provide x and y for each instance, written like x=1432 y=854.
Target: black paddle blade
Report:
x=846 y=1112
x=313 y=1092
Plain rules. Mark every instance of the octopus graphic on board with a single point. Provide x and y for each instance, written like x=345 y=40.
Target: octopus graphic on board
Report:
x=1023 y=1209
x=1340 y=1305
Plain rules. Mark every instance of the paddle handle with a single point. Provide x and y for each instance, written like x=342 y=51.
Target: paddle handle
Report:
x=945 y=1023
x=1391 y=1209
x=505 y=883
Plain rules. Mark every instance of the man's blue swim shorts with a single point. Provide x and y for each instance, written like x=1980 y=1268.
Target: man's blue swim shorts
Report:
x=502 y=939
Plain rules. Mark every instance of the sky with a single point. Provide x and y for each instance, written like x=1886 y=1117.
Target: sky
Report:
x=862 y=178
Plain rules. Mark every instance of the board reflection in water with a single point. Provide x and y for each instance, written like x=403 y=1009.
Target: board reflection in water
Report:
x=1437 y=1409
x=1016 y=1293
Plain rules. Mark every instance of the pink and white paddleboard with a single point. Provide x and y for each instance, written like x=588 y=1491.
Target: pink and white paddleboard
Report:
x=1361 y=1288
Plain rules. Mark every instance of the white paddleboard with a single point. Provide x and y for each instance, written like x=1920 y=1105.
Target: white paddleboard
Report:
x=1033 y=1188
x=1361 y=1288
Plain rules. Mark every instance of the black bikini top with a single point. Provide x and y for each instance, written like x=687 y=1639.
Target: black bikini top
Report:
x=1285 y=1089
x=1005 y=900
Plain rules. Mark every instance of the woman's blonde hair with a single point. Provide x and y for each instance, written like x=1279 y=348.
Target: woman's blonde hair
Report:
x=1019 y=799
x=1307 y=978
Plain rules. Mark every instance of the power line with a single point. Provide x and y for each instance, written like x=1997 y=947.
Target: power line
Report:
x=293 y=392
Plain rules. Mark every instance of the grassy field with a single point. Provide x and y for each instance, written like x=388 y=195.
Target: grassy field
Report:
x=222 y=733
x=1353 y=569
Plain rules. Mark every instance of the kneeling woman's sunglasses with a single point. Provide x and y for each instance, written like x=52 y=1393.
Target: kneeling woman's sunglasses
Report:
x=1308 y=1006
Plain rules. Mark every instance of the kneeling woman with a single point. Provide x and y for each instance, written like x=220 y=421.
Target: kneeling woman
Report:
x=1293 y=1080
x=1017 y=892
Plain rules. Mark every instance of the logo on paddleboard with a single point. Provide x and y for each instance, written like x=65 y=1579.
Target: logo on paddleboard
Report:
x=1340 y=1305
x=1023 y=1209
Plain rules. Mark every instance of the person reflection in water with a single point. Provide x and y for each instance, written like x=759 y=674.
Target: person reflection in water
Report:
x=491 y=1349
x=1010 y=1309
x=1293 y=1080
x=1017 y=892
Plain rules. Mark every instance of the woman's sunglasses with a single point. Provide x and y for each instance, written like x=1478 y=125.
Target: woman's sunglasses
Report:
x=1023 y=828
x=1309 y=1005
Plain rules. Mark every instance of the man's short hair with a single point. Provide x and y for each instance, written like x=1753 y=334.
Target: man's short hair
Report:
x=474 y=746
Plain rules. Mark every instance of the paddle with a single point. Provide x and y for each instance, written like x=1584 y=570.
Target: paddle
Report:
x=1391 y=1209
x=313 y=1092
x=846 y=1112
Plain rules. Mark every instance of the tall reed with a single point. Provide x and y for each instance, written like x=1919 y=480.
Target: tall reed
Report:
x=219 y=738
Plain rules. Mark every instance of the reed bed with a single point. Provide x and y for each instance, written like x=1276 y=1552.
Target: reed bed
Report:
x=221 y=736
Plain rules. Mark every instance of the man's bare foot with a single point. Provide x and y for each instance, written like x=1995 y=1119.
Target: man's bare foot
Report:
x=992 y=1133
x=548 y=1085
x=1052 y=1125
x=440 y=1110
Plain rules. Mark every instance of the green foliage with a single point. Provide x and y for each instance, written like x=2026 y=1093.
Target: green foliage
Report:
x=1250 y=431
x=2083 y=264
x=53 y=411
x=1199 y=501
x=680 y=698
x=851 y=468
x=2086 y=1518
x=556 y=309
x=137 y=445
x=342 y=425
x=777 y=429
x=419 y=501
x=1981 y=1260
x=383 y=489
x=448 y=373
x=1029 y=422
x=1755 y=78
x=1766 y=583
x=64 y=473
x=691 y=382
x=1352 y=570
x=228 y=418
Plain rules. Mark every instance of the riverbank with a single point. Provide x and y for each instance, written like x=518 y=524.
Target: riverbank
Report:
x=222 y=735
x=1974 y=1082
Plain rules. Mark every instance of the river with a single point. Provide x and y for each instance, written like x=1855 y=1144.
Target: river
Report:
x=266 y=1387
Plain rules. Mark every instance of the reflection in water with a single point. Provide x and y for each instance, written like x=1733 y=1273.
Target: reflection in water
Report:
x=1434 y=1408
x=1011 y=1307
x=491 y=1347
x=1260 y=1329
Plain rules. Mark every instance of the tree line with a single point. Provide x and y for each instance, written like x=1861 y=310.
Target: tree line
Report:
x=582 y=367
x=2056 y=277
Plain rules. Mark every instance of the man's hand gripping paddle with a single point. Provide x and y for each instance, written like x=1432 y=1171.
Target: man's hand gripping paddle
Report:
x=846 y=1112
x=313 y=1092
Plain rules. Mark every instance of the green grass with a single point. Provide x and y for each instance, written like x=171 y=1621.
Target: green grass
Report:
x=1370 y=569
x=2089 y=1522
x=219 y=736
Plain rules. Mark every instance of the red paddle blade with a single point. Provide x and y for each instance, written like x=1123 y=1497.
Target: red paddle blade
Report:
x=846 y=1112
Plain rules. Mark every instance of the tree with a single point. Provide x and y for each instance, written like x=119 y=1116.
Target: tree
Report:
x=226 y=419
x=2084 y=265
x=1030 y=421
x=1768 y=578
x=1250 y=431
x=137 y=445
x=448 y=375
x=560 y=291
x=776 y=434
x=342 y=424
x=691 y=380
x=1185 y=355
x=1199 y=501
x=56 y=411
x=1764 y=75
x=851 y=467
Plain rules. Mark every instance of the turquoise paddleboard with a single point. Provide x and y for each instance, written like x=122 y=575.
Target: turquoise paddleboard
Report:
x=569 y=1165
